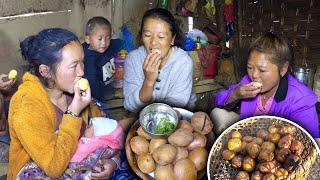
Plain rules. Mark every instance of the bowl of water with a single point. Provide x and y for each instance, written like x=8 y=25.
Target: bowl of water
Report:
x=158 y=119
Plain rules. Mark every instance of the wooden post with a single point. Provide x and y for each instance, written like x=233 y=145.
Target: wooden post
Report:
x=240 y=18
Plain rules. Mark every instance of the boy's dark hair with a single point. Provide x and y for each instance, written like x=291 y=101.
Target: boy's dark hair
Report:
x=93 y=22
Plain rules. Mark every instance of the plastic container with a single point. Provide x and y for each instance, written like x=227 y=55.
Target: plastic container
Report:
x=304 y=74
x=316 y=83
x=118 y=75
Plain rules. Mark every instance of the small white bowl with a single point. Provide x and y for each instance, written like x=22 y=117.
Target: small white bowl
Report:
x=103 y=126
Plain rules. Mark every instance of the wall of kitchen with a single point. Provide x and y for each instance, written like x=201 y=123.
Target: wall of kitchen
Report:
x=19 y=19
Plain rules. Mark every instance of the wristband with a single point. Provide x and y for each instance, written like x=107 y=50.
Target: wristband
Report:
x=72 y=114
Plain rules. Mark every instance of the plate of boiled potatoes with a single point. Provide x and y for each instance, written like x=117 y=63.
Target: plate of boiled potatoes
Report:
x=182 y=154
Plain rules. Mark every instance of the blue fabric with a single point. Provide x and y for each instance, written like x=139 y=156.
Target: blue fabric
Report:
x=124 y=172
x=127 y=38
x=99 y=68
x=5 y=138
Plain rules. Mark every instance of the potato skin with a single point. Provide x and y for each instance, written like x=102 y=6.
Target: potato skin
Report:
x=242 y=175
x=285 y=141
x=282 y=154
x=287 y=129
x=236 y=162
x=143 y=134
x=236 y=134
x=269 y=176
x=248 y=164
x=281 y=173
x=247 y=138
x=185 y=124
x=184 y=169
x=257 y=175
x=199 y=140
x=268 y=167
x=181 y=137
x=146 y=163
x=164 y=172
x=265 y=155
x=274 y=137
x=201 y=123
x=262 y=134
x=253 y=149
x=228 y=155
x=164 y=154
x=234 y=144
x=182 y=153
x=296 y=147
x=199 y=157
x=155 y=143
x=139 y=145
x=268 y=146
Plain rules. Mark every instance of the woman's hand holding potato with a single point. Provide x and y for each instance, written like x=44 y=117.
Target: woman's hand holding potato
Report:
x=245 y=91
x=151 y=66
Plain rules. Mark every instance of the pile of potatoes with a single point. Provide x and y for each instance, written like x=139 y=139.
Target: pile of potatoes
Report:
x=271 y=154
x=180 y=155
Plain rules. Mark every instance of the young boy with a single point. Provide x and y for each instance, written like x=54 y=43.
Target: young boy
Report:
x=99 y=52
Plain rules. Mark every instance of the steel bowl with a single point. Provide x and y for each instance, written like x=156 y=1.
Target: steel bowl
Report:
x=151 y=115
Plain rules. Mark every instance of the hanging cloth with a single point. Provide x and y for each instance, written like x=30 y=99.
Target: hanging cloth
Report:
x=210 y=9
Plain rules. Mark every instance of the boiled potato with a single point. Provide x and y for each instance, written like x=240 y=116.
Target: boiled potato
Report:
x=181 y=137
x=182 y=153
x=146 y=163
x=201 y=123
x=164 y=172
x=155 y=143
x=185 y=169
x=234 y=144
x=199 y=157
x=143 y=134
x=139 y=145
x=164 y=154
x=184 y=124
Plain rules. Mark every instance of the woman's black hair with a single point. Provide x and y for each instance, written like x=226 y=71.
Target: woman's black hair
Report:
x=164 y=15
x=277 y=47
x=45 y=48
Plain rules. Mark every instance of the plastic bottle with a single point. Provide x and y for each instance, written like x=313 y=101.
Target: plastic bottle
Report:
x=119 y=70
x=162 y=4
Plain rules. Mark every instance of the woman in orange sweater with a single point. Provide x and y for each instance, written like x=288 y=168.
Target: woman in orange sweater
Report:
x=49 y=113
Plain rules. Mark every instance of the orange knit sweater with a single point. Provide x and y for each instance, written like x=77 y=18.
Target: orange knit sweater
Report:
x=32 y=122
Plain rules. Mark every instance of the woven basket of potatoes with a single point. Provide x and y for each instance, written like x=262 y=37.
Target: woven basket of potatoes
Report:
x=264 y=147
x=182 y=154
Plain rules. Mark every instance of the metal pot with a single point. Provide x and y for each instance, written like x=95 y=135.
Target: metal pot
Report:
x=304 y=74
x=151 y=115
